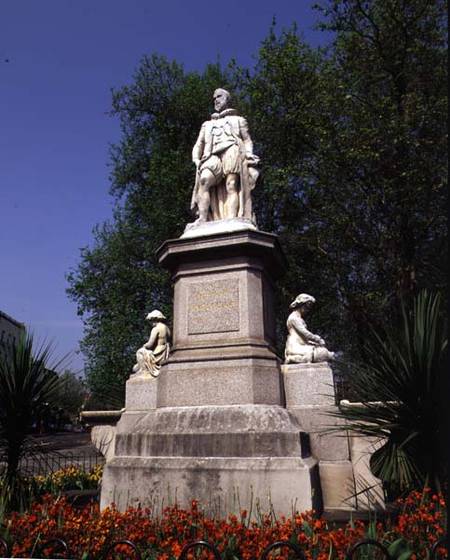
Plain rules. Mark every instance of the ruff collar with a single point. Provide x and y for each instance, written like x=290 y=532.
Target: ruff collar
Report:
x=224 y=113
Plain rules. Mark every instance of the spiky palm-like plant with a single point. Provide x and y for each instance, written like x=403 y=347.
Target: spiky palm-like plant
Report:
x=399 y=388
x=27 y=383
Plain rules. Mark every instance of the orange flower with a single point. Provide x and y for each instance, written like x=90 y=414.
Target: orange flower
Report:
x=421 y=522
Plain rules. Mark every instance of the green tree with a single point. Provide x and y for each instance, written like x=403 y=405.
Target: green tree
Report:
x=72 y=394
x=378 y=198
x=284 y=95
x=355 y=181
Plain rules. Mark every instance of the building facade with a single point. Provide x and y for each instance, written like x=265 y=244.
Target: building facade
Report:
x=10 y=330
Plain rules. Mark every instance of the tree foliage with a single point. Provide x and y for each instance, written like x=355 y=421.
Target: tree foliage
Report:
x=72 y=394
x=353 y=144
x=382 y=163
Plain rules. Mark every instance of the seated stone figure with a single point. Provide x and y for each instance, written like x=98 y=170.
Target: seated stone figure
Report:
x=156 y=350
x=302 y=346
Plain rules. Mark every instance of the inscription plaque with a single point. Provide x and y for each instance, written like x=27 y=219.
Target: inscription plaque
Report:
x=213 y=307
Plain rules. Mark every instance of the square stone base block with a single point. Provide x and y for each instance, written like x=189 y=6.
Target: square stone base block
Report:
x=224 y=382
x=338 y=485
x=140 y=393
x=223 y=347
x=223 y=484
x=212 y=453
x=308 y=384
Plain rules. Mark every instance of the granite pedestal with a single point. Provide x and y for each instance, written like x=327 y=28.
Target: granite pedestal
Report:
x=219 y=427
x=224 y=326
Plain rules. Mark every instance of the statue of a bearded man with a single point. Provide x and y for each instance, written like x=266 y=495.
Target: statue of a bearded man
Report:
x=227 y=168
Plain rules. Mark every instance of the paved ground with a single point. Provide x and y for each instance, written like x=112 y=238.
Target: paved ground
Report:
x=60 y=450
x=77 y=443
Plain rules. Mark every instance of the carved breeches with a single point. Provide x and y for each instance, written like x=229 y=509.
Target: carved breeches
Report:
x=223 y=163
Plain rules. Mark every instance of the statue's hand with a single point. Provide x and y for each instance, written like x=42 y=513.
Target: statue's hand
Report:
x=316 y=339
x=252 y=159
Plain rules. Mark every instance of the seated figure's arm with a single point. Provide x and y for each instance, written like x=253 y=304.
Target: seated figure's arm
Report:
x=151 y=343
x=300 y=326
x=199 y=146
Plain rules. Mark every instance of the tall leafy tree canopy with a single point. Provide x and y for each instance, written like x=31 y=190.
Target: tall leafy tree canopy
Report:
x=353 y=143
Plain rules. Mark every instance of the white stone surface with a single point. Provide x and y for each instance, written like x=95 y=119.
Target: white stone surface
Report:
x=361 y=449
x=227 y=168
x=218 y=226
x=303 y=346
x=351 y=484
x=103 y=439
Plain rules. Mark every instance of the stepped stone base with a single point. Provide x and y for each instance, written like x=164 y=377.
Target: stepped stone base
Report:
x=284 y=483
x=212 y=453
x=226 y=431
x=222 y=424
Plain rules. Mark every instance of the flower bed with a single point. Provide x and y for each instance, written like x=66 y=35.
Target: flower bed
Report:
x=68 y=478
x=420 y=523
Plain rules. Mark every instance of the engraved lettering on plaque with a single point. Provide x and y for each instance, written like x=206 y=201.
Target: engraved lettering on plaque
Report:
x=213 y=307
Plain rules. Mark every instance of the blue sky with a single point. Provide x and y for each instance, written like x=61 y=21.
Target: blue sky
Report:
x=59 y=60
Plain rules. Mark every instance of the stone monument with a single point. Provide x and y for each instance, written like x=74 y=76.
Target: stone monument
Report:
x=307 y=376
x=218 y=417
x=213 y=423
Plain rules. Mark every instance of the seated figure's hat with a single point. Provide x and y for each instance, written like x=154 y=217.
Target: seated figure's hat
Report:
x=301 y=299
x=155 y=314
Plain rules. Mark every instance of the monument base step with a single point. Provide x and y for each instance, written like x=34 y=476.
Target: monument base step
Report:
x=223 y=485
x=212 y=431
